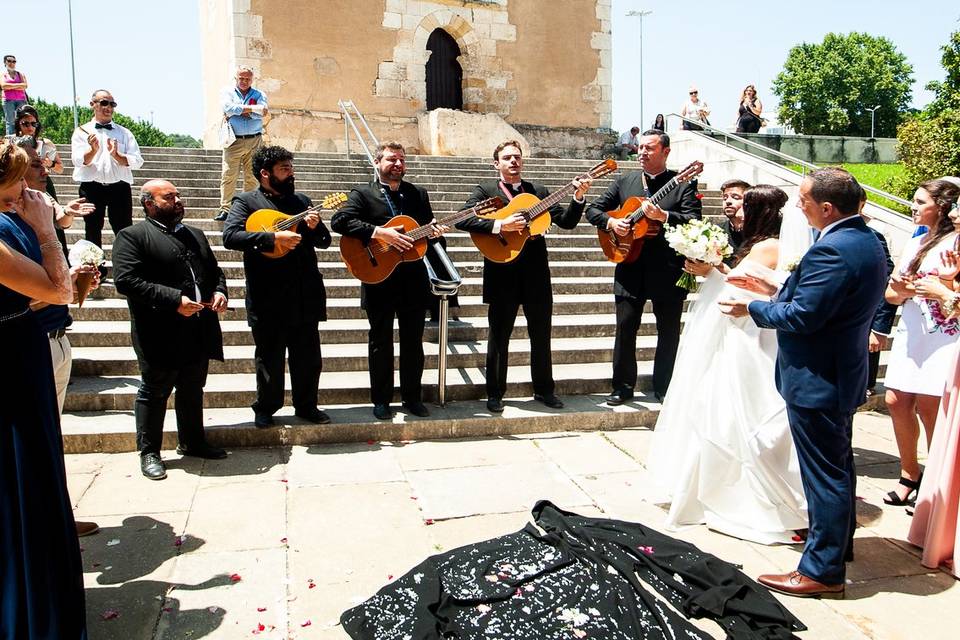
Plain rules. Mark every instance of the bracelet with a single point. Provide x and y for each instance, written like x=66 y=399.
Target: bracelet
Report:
x=949 y=306
x=49 y=244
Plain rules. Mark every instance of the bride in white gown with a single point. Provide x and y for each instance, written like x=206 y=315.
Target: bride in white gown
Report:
x=722 y=449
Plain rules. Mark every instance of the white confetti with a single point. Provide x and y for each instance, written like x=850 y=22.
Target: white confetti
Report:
x=113 y=543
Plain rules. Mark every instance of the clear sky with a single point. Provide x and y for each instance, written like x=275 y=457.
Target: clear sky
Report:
x=148 y=53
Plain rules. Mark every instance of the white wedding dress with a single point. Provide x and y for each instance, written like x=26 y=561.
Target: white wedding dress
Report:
x=722 y=452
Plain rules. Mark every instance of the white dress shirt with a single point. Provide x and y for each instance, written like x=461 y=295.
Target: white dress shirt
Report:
x=103 y=168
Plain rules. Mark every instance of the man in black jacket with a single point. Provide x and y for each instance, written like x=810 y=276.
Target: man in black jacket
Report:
x=174 y=289
x=286 y=299
x=405 y=293
x=654 y=274
x=522 y=281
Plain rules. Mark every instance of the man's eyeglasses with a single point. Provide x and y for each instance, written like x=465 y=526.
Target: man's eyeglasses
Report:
x=106 y=103
x=29 y=123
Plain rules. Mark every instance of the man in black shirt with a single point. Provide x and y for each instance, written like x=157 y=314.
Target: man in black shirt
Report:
x=405 y=294
x=286 y=298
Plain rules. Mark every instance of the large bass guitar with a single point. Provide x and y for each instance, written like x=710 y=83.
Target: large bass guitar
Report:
x=627 y=248
x=271 y=221
x=374 y=260
x=507 y=245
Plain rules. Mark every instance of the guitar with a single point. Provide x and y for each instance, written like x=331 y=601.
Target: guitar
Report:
x=627 y=248
x=373 y=261
x=270 y=221
x=507 y=245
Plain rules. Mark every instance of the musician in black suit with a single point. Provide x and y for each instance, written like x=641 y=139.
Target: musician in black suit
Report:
x=174 y=289
x=523 y=281
x=405 y=294
x=286 y=298
x=654 y=274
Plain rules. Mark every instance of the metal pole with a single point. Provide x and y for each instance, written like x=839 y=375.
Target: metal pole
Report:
x=640 y=14
x=73 y=66
x=442 y=365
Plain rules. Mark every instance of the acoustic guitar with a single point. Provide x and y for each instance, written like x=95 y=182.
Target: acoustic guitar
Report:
x=373 y=261
x=627 y=248
x=507 y=245
x=270 y=221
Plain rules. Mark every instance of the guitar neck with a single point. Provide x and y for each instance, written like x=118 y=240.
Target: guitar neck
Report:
x=655 y=199
x=554 y=198
x=293 y=221
x=424 y=231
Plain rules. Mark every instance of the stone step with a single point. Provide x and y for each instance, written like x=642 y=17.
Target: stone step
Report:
x=105 y=333
x=117 y=393
x=120 y=361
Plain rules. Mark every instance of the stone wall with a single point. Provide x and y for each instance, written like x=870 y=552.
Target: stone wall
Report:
x=568 y=142
x=549 y=68
x=830 y=149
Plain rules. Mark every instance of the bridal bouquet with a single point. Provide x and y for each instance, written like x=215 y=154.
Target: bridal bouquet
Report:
x=85 y=252
x=698 y=240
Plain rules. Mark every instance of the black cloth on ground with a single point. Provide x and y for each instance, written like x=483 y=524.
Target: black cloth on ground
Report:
x=578 y=577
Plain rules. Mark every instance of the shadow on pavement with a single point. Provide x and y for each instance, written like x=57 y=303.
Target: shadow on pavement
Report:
x=240 y=461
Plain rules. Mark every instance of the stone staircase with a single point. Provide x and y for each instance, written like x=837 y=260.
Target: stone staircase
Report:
x=98 y=415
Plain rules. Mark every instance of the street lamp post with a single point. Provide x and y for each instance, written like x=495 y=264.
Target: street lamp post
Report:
x=73 y=66
x=873 y=112
x=640 y=14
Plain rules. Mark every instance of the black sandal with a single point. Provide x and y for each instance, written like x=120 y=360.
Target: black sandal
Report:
x=914 y=486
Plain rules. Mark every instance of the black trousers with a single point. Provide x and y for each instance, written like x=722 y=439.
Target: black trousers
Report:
x=151 y=404
x=501 y=317
x=380 y=352
x=873 y=368
x=301 y=344
x=667 y=311
x=111 y=200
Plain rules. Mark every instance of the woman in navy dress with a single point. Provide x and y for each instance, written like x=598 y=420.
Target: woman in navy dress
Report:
x=41 y=578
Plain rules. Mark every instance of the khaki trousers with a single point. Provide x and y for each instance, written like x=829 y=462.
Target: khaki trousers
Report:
x=238 y=158
x=62 y=356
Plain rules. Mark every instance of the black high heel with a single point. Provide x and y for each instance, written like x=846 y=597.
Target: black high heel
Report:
x=914 y=486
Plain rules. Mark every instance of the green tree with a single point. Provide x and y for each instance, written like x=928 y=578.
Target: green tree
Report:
x=58 y=126
x=948 y=91
x=826 y=88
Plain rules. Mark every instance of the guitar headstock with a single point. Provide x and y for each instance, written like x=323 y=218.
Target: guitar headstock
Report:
x=607 y=166
x=690 y=172
x=334 y=201
x=488 y=206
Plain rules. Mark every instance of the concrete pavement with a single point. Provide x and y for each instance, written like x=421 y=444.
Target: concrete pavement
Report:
x=277 y=542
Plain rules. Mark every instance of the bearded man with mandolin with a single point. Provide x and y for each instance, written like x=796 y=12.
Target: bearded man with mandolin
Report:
x=370 y=215
x=521 y=276
x=286 y=298
x=653 y=271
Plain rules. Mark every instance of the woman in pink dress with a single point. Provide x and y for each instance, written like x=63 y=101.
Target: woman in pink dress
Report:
x=934 y=526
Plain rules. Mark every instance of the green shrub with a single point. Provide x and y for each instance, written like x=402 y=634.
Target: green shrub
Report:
x=929 y=147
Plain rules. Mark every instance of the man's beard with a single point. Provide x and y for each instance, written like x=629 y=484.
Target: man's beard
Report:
x=285 y=187
x=168 y=215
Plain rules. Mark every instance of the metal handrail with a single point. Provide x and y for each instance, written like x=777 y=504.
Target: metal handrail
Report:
x=348 y=123
x=788 y=158
x=444 y=288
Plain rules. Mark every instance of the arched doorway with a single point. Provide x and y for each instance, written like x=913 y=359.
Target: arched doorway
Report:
x=444 y=74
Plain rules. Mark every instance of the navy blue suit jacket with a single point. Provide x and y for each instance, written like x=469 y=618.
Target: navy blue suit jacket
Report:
x=823 y=316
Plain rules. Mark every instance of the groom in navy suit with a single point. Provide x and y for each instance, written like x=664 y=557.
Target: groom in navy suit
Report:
x=823 y=315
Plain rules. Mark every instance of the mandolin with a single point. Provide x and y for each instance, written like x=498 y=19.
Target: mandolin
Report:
x=373 y=261
x=627 y=248
x=507 y=245
x=270 y=221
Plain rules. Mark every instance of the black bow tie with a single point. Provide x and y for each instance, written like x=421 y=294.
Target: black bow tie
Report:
x=103 y=126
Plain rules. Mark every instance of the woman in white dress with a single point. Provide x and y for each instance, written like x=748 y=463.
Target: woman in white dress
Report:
x=722 y=449
x=922 y=344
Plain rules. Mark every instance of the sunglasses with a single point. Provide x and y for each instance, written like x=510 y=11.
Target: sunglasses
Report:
x=693 y=93
x=106 y=103
x=29 y=123
x=11 y=60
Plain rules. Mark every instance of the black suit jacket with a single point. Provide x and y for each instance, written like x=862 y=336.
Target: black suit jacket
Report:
x=287 y=290
x=527 y=278
x=655 y=273
x=886 y=312
x=367 y=208
x=152 y=268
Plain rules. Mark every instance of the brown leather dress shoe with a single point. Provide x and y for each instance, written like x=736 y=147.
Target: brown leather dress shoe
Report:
x=798 y=585
x=86 y=528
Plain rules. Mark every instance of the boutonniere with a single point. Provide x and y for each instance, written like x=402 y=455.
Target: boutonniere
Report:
x=792 y=265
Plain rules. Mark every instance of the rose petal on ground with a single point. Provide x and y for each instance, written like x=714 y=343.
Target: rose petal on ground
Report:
x=305 y=623
x=235 y=577
x=428 y=521
x=261 y=609
x=110 y=614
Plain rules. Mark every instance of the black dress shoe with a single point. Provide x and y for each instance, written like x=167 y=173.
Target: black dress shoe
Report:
x=549 y=399
x=382 y=412
x=417 y=408
x=263 y=420
x=619 y=396
x=659 y=396
x=494 y=405
x=316 y=416
x=204 y=451
x=152 y=467
x=222 y=216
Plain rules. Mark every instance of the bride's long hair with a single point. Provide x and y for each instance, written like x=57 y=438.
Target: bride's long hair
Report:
x=762 y=216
